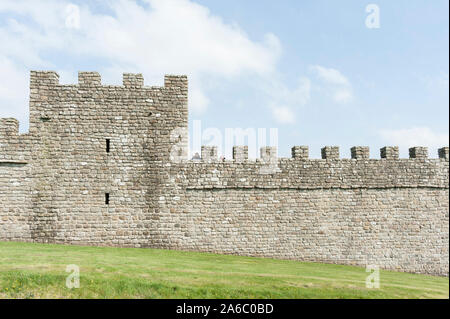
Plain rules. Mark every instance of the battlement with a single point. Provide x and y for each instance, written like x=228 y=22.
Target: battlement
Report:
x=269 y=153
x=443 y=153
x=90 y=79
x=14 y=147
x=148 y=109
x=300 y=172
x=240 y=153
x=8 y=127
x=176 y=81
x=133 y=80
x=43 y=78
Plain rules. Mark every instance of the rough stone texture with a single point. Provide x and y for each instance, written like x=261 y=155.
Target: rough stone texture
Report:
x=360 y=152
x=418 y=152
x=209 y=153
x=443 y=152
x=53 y=181
x=300 y=152
x=240 y=153
x=330 y=152
x=389 y=152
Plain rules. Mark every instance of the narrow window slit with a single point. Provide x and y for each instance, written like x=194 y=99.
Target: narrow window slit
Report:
x=108 y=143
x=107 y=198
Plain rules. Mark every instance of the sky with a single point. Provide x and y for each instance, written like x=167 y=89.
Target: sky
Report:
x=344 y=73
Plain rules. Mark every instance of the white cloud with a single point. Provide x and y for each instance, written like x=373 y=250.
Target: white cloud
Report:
x=299 y=95
x=330 y=75
x=175 y=36
x=284 y=100
x=283 y=115
x=198 y=102
x=336 y=84
x=342 y=95
x=163 y=36
x=416 y=136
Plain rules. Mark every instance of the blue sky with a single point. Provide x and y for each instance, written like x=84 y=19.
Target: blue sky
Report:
x=311 y=69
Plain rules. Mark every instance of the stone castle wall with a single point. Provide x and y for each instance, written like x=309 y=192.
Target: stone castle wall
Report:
x=387 y=212
x=106 y=165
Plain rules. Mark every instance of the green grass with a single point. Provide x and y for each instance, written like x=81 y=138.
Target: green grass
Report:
x=38 y=271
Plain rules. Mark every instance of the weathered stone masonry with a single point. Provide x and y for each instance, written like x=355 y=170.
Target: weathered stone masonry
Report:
x=59 y=183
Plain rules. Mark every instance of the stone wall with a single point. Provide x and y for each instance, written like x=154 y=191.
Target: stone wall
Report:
x=401 y=229
x=106 y=165
x=387 y=212
x=15 y=182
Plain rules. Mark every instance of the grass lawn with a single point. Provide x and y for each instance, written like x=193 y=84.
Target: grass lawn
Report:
x=39 y=271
